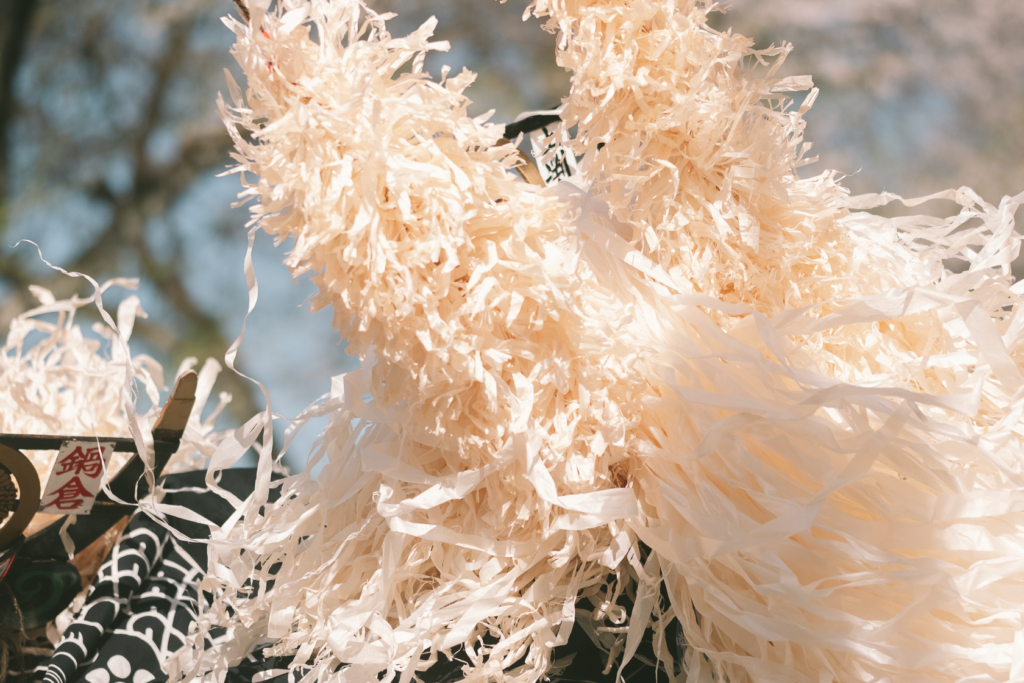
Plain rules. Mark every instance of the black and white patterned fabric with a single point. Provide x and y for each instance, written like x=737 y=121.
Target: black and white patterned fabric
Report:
x=137 y=612
x=143 y=600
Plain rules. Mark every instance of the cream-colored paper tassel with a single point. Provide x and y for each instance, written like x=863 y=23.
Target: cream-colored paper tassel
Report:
x=811 y=424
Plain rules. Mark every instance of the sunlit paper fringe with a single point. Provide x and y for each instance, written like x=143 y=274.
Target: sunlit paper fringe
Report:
x=55 y=379
x=809 y=421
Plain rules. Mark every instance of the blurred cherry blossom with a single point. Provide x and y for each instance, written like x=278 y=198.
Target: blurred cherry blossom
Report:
x=917 y=95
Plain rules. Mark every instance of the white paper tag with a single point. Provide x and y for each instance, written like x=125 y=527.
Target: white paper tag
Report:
x=76 y=477
x=559 y=165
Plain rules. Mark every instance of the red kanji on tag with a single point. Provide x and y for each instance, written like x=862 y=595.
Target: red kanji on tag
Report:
x=70 y=496
x=87 y=461
x=75 y=479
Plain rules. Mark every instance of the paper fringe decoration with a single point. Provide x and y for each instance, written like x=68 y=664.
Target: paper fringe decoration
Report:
x=62 y=383
x=686 y=369
x=56 y=380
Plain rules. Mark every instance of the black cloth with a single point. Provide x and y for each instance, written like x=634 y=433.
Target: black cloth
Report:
x=141 y=604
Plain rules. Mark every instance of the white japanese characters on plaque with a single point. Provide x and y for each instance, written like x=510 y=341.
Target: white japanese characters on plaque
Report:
x=76 y=477
x=559 y=165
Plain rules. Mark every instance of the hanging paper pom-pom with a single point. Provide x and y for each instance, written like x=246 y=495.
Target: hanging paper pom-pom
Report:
x=686 y=367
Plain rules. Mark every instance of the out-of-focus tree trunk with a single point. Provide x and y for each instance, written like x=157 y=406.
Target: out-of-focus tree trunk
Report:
x=46 y=42
x=14 y=33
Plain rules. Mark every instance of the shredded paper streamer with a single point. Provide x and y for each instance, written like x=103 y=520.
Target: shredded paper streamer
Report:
x=683 y=384
x=57 y=379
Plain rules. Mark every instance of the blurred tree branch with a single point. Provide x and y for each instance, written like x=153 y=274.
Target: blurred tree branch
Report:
x=14 y=33
x=153 y=188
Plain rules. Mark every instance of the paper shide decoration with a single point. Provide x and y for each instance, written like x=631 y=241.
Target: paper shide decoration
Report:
x=57 y=379
x=686 y=374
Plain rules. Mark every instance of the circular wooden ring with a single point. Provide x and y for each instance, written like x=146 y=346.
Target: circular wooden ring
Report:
x=15 y=462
